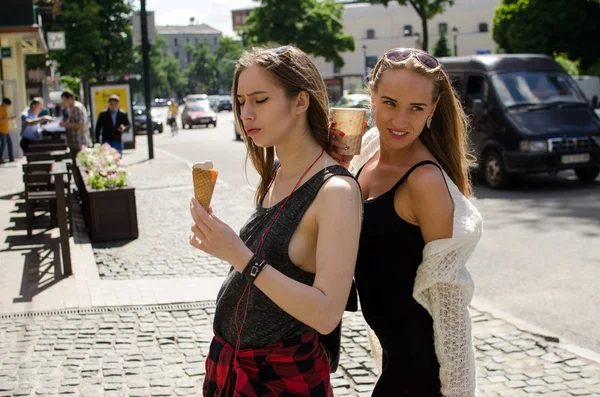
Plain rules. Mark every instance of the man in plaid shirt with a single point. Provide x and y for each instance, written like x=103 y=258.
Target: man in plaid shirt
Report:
x=76 y=123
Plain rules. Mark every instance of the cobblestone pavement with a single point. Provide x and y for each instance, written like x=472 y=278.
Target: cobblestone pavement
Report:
x=163 y=190
x=162 y=353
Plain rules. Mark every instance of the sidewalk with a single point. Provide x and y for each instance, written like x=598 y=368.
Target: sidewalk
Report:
x=135 y=319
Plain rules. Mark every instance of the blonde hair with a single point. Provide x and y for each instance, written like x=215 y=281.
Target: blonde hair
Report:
x=447 y=138
x=295 y=73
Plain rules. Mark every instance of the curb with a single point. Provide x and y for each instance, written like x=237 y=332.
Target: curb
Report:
x=563 y=343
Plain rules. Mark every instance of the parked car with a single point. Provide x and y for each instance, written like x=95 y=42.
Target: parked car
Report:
x=356 y=101
x=238 y=136
x=139 y=119
x=213 y=100
x=195 y=97
x=225 y=103
x=590 y=85
x=198 y=113
x=159 y=102
x=528 y=115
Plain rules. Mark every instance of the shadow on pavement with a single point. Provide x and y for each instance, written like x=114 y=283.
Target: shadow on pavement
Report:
x=561 y=196
x=41 y=264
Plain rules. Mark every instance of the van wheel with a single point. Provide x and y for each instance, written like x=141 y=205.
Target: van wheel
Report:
x=493 y=170
x=587 y=174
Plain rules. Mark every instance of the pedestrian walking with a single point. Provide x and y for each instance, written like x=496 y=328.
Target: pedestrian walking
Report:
x=76 y=123
x=31 y=120
x=5 y=139
x=419 y=229
x=293 y=262
x=111 y=125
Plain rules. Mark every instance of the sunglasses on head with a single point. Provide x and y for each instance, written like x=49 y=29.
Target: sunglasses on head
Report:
x=281 y=50
x=402 y=54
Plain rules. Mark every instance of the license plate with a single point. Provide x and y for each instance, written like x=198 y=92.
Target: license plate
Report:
x=575 y=158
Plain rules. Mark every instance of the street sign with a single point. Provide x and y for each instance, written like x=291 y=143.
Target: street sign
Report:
x=56 y=40
x=5 y=52
x=137 y=28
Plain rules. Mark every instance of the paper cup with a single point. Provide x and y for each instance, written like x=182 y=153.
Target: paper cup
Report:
x=351 y=121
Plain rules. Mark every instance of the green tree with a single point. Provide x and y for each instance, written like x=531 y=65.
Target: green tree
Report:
x=572 y=67
x=314 y=26
x=226 y=56
x=546 y=27
x=98 y=38
x=165 y=74
x=202 y=72
x=425 y=9
x=441 y=47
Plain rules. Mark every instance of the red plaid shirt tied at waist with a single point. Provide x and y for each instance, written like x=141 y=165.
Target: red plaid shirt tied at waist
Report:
x=294 y=367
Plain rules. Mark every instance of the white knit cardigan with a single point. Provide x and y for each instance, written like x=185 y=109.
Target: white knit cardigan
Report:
x=444 y=287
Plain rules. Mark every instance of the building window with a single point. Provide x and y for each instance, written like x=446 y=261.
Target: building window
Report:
x=443 y=28
x=175 y=42
x=407 y=31
x=483 y=27
x=215 y=41
x=370 y=33
x=196 y=40
x=176 y=55
x=187 y=39
x=370 y=62
x=336 y=69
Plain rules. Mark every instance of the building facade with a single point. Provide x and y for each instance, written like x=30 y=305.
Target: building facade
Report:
x=377 y=28
x=176 y=38
x=21 y=35
x=238 y=18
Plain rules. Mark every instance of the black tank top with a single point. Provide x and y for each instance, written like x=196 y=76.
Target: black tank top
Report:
x=266 y=323
x=390 y=252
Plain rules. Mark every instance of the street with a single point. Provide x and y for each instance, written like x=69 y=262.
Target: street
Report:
x=136 y=319
x=539 y=258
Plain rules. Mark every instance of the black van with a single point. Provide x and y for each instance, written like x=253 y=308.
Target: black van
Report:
x=528 y=115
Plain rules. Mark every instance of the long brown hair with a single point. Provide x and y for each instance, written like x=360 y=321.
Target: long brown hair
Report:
x=447 y=138
x=294 y=72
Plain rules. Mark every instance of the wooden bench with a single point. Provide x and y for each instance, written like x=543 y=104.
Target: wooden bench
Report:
x=55 y=155
x=46 y=146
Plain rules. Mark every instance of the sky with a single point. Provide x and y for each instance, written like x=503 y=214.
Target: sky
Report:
x=215 y=13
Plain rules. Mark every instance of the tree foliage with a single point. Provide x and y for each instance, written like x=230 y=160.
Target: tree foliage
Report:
x=212 y=72
x=425 y=9
x=441 y=47
x=314 y=26
x=165 y=74
x=226 y=56
x=201 y=73
x=572 y=67
x=98 y=38
x=542 y=26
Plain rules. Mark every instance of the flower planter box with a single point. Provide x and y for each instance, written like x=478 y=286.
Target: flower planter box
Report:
x=110 y=214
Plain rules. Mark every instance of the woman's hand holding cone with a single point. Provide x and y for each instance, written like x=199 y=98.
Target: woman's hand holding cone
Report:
x=213 y=236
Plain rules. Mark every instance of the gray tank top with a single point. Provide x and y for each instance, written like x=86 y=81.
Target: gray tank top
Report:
x=265 y=322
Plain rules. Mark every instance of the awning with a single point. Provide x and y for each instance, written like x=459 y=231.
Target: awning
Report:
x=32 y=38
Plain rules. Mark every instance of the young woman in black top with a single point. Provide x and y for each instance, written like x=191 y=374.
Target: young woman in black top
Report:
x=419 y=229
x=292 y=268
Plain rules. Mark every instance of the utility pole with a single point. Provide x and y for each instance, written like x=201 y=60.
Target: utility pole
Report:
x=147 y=85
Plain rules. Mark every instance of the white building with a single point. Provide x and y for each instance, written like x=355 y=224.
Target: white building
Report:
x=176 y=38
x=377 y=29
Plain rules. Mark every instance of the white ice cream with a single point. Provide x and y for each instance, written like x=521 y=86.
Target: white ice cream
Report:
x=203 y=165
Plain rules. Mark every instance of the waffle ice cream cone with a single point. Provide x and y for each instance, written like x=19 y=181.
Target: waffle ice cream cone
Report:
x=205 y=178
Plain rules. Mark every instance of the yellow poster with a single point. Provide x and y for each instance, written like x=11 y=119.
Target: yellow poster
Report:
x=99 y=101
